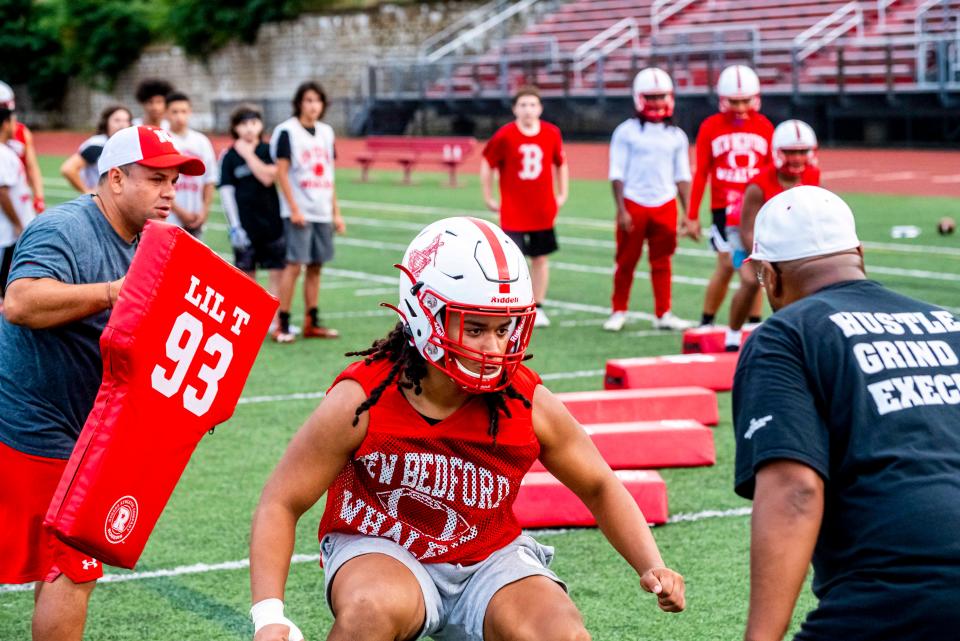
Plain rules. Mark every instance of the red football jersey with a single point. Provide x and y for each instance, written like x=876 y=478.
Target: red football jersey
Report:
x=731 y=152
x=444 y=492
x=770 y=185
x=527 y=198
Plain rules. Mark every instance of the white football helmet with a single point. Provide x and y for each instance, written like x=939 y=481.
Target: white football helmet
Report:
x=470 y=267
x=737 y=82
x=650 y=82
x=7 y=100
x=794 y=135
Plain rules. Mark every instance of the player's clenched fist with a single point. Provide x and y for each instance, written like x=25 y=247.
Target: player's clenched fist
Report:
x=278 y=632
x=668 y=586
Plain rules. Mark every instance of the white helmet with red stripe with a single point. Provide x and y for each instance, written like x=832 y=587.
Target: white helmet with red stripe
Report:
x=6 y=96
x=653 y=82
x=470 y=267
x=794 y=135
x=738 y=82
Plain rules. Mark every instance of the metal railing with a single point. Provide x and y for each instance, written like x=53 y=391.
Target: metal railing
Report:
x=663 y=10
x=433 y=50
x=606 y=42
x=847 y=17
x=697 y=40
x=886 y=63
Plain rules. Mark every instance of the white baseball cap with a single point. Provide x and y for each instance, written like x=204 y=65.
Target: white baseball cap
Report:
x=147 y=146
x=7 y=100
x=803 y=222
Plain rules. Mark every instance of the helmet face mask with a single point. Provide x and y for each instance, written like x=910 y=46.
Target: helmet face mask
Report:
x=460 y=276
x=653 y=94
x=794 y=147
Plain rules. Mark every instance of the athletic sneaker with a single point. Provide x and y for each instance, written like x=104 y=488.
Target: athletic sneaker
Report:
x=731 y=342
x=669 y=321
x=280 y=336
x=541 y=320
x=615 y=322
x=318 y=331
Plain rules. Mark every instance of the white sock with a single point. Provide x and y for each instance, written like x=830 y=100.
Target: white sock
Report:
x=733 y=337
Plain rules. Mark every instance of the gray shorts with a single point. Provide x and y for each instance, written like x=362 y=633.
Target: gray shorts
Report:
x=311 y=244
x=455 y=596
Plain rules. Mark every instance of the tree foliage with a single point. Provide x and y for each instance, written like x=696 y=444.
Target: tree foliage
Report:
x=46 y=42
x=202 y=27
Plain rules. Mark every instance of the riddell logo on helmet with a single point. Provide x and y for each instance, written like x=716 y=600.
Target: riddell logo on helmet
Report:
x=504 y=300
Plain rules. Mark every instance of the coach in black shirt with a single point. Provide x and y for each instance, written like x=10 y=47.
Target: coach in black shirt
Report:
x=847 y=416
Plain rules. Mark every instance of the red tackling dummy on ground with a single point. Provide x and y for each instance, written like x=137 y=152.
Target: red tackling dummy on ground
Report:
x=651 y=445
x=543 y=501
x=713 y=371
x=632 y=405
x=708 y=340
x=176 y=354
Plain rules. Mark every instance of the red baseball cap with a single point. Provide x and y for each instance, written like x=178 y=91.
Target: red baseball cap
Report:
x=148 y=146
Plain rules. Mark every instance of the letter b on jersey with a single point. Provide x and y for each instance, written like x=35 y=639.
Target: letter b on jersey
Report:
x=531 y=161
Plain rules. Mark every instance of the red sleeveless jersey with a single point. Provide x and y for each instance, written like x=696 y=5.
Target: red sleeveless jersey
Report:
x=730 y=152
x=444 y=492
x=769 y=183
x=770 y=186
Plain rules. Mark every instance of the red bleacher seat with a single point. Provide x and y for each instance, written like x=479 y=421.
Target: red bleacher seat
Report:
x=410 y=151
x=545 y=502
x=651 y=444
x=632 y=405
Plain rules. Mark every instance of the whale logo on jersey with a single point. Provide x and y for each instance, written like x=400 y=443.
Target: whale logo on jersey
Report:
x=424 y=513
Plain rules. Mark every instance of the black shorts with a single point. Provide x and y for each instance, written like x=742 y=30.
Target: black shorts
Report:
x=718 y=231
x=535 y=243
x=271 y=254
x=6 y=258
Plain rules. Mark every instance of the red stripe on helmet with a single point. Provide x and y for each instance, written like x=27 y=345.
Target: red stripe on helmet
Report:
x=503 y=270
x=796 y=126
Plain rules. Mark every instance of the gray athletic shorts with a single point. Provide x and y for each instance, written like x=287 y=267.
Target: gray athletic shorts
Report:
x=311 y=244
x=455 y=596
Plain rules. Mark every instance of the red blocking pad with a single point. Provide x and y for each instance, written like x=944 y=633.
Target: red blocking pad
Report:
x=176 y=354
x=543 y=501
x=708 y=340
x=653 y=444
x=713 y=371
x=633 y=405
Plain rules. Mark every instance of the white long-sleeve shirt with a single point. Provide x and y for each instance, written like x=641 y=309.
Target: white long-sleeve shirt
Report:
x=650 y=160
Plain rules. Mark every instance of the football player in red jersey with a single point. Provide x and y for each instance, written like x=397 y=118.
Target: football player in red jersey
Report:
x=732 y=146
x=794 y=163
x=22 y=143
x=420 y=449
x=522 y=153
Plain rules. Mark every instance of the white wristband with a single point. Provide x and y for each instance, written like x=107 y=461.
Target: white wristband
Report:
x=270 y=612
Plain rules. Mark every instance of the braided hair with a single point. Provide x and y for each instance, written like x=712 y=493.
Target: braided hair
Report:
x=409 y=368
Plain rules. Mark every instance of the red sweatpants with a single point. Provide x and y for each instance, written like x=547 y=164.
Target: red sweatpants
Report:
x=658 y=226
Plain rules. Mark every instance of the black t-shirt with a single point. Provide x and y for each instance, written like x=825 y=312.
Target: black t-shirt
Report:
x=257 y=204
x=863 y=385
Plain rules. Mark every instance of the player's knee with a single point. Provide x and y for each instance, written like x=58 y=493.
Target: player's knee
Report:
x=563 y=624
x=369 y=613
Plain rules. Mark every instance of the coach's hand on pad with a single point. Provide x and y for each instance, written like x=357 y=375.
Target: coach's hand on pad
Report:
x=668 y=586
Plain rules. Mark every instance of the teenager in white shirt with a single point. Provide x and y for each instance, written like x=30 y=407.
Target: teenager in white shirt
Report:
x=194 y=193
x=303 y=149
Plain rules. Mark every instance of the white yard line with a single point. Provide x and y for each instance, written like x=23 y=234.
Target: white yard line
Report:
x=242 y=564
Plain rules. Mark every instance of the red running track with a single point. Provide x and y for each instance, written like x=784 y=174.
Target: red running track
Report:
x=878 y=171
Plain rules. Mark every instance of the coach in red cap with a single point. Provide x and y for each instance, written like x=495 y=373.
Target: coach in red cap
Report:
x=67 y=272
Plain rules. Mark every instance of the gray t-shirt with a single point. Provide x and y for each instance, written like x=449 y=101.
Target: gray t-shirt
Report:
x=49 y=378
